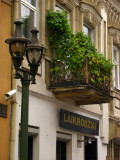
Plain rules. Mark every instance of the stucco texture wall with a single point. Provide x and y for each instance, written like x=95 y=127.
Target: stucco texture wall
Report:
x=5 y=76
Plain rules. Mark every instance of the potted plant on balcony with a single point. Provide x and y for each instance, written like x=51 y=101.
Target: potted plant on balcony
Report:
x=76 y=61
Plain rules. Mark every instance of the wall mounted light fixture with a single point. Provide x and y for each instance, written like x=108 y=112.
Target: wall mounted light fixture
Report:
x=80 y=140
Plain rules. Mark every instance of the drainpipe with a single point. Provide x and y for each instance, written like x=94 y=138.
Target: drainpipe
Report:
x=15 y=14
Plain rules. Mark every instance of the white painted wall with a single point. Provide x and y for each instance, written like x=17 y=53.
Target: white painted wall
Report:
x=44 y=113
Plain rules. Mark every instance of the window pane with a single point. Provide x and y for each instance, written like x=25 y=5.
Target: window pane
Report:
x=58 y=8
x=116 y=76
x=116 y=67
x=85 y=30
x=32 y=2
x=115 y=55
x=89 y=31
x=28 y=20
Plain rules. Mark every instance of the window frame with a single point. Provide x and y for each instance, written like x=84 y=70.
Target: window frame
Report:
x=64 y=137
x=64 y=9
x=33 y=131
x=31 y=7
x=94 y=20
x=116 y=63
x=91 y=32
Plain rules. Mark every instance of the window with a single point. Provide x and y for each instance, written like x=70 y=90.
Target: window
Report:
x=30 y=147
x=28 y=13
x=61 y=8
x=116 y=67
x=58 y=7
x=89 y=31
x=91 y=20
x=61 y=150
x=33 y=143
x=63 y=144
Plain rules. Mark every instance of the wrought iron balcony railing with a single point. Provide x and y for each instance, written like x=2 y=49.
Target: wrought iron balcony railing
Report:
x=75 y=78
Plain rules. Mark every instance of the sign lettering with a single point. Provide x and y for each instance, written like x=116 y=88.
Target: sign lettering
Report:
x=78 y=123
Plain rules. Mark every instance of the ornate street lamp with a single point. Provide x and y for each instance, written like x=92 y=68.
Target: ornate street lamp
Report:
x=34 y=53
x=18 y=47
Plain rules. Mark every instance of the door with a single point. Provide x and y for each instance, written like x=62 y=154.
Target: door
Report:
x=90 y=149
x=116 y=153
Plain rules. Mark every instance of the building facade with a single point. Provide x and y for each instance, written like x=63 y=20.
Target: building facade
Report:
x=67 y=123
x=114 y=50
x=5 y=78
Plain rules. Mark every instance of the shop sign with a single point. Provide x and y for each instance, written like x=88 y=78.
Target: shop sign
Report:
x=78 y=123
x=3 y=110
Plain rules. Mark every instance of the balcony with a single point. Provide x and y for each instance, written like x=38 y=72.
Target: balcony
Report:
x=80 y=86
x=78 y=71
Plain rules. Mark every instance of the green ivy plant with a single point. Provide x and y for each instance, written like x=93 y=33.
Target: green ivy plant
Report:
x=73 y=49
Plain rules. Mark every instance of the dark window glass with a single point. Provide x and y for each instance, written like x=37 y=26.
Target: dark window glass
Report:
x=30 y=147
x=116 y=153
x=91 y=149
x=61 y=150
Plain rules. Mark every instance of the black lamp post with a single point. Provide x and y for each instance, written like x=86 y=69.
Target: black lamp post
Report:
x=18 y=47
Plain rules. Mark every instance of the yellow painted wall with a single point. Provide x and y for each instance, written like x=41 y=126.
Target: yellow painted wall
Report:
x=5 y=75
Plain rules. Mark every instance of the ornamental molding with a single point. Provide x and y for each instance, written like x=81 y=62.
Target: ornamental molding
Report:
x=112 y=7
x=113 y=11
x=116 y=35
x=70 y=3
x=95 y=1
x=114 y=118
x=91 y=14
x=102 y=4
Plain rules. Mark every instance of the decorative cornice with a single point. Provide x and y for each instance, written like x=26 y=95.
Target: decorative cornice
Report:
x=95 y=1
x=102 y=4
x=116 y=35
x=114 y=118
x=113 y=12
x=70 y=3
x=91 y=14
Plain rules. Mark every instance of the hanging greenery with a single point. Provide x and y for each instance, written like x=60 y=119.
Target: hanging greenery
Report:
x=73 y=49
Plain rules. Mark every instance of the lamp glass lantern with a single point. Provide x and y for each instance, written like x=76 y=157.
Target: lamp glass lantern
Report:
x=17 y=44
x=34 y=53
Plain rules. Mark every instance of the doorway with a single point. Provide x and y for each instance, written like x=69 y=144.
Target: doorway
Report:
x=90 y=148
x=116 y=153
x=61 y=150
